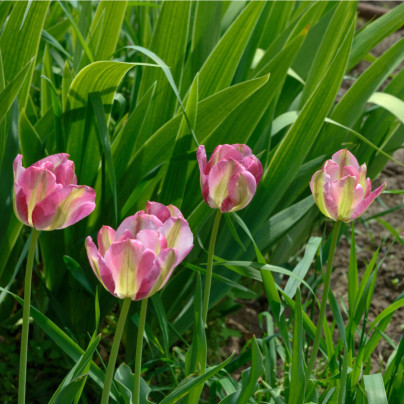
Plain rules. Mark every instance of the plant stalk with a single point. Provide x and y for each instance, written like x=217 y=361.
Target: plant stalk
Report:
x=209 y=268
x=114 y=350
x=139 y=346
x=324 y=300
x=22 y=379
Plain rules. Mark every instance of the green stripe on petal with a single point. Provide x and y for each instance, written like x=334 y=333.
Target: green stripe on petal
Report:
x=317 y=186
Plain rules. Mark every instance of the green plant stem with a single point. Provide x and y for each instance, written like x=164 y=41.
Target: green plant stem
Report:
x=114 y=350
x=139 y=345
x=324 y=300
x=25 y=318
x=209 y=268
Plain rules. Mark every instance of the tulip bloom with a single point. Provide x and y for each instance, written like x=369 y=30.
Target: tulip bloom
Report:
x=229 y=180
x=138 y=258
x=341 y=189
x=46 y=194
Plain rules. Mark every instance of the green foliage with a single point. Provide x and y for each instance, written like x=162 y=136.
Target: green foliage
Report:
x=129 y=89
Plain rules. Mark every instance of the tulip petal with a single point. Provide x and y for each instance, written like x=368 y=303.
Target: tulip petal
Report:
x=331 y=168
x=345 y=158
x=17 y=167
x=64 y=207
x=52 y=162
x=152 y=240
x=106 y=236
x=123 y=257
x=178 y=235
x=37 y=184
x=65 y=174
x=20 y=205
x=98 y=265
x=147 y=275
x=137 y=222
x=158 y=209
x=243 y=149
x=254 y=166
x=222 y=153
x=201 y=157
x=364 y=205
x=174 y=211
x=242 y=187
x=165 y=263
x=219 y=177
x=347 y=195
x=319 y=189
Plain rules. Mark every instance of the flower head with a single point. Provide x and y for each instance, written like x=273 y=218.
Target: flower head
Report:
x=46 y=194
x=229 y=179
x=138 y=258
x=341 y=189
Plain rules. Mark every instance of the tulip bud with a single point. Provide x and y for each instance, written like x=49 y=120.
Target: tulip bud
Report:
x=138 y=258
x=46 y=196
x=341 y=189
x=229 y=180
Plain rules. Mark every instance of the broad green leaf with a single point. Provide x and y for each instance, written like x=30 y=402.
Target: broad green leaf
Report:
x=334 y=34
x=277 y=225
x=217 y=72
x=303 y=266
x=105 y=28
x=253 y=108
x=297 y=143
x=187 y=384
x=350 y=107
x=31 y=144
x=77 y=31
x=9 y=223
x=68 y=389
x=169 y=42
x=374 y=33
x=374 y=386
x=386 y=312
x=211 y=113
x=390 y=103
x=8 y=94
x=102 y=77
x=125 y=380
x=307 y=18
x=20 y=39
x=102 y=131
x=174 y=181
x=133 y=134
x=249 y=378
x=205 y=34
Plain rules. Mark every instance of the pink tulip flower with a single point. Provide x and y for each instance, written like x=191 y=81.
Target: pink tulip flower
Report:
x=341 y=189
x=229 y=179
x=138 y=258
x=46 y=194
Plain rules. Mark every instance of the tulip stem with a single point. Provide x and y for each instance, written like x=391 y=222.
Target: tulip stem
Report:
x=25 y=318
x=324 y=300
x=139 y=346
x=114 y=350
x=209 y=268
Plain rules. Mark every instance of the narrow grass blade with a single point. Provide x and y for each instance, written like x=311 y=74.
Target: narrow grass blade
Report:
x=7 y=96
x=297 y=380
x=102 y=131
x=188 y=384
x=20 y=39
